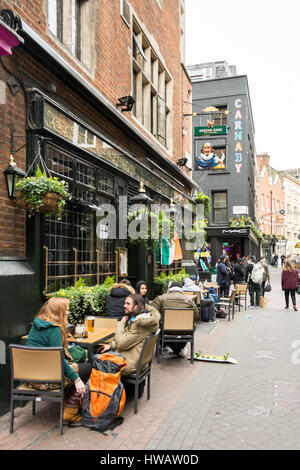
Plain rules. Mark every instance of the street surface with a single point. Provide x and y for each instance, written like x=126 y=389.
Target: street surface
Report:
x=253 y=405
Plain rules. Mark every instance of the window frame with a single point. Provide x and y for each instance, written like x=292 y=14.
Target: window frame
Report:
x=151 y=83
x=214 y=193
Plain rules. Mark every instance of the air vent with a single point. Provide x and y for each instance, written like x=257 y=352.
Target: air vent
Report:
x=125 y=12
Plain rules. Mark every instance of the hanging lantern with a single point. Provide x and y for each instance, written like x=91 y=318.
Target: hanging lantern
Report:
x=12 y=173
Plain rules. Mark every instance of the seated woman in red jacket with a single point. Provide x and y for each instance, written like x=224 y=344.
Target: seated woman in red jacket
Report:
x=289 y=284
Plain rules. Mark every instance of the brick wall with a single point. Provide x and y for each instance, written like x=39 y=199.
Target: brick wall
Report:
x=12 y=220
x=112 y=78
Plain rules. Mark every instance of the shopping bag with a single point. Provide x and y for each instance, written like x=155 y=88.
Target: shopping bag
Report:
x=262 y=302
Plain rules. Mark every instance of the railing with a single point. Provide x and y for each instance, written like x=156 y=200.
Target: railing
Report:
x=74 y=275
x=174 y=268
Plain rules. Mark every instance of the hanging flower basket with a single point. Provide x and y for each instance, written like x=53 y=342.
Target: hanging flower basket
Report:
x=50 y=202
x=41 y=194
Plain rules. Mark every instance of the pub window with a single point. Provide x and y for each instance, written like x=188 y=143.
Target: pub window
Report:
x=73 y=248
x=220 y=207
x=83 y=137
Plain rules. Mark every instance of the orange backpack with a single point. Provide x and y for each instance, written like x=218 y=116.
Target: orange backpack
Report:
x=104 y=398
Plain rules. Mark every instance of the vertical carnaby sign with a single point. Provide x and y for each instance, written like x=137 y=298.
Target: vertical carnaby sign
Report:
x=238 y=135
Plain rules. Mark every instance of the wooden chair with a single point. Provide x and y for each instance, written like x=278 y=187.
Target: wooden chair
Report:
x=103 y=322
x=228 y=303
x=177 y=326
x=40 y=365
x=143 y=371
x=189 y=293
x=193 y=295
x=242 y=294
x=207 y=285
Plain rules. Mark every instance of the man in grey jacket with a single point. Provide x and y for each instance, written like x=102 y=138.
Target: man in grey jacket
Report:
x=175 y=298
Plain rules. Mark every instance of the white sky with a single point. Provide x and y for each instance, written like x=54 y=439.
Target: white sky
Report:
x=260 y=37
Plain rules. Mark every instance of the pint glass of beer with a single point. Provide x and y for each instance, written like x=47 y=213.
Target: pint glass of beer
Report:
x=91 y=324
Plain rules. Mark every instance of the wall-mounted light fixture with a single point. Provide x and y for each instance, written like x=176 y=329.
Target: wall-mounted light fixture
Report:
x=12 y=173
x=141 y=197
x=172 y=208
x=126 y=103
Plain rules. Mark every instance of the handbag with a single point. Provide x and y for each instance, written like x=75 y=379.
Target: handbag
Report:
x=268 y=287
x=77 y=353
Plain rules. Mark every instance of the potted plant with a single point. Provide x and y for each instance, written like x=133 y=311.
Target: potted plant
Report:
x=85 y=300
x=155 y=225
x=40 y=193
x=205 y=200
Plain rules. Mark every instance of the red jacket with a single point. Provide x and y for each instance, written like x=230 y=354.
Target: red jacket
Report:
x=289 y=280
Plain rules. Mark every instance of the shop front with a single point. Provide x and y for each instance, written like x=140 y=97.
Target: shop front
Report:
x=234 y=242
x=100 y=177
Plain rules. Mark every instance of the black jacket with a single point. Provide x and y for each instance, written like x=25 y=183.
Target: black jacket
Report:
x=248 y=271
x=114 y=305
x=239 y=275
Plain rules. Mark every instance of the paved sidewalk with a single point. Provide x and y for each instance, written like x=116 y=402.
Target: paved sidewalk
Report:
x=254 y=404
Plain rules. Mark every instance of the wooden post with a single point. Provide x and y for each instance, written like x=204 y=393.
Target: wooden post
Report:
x=75 y=264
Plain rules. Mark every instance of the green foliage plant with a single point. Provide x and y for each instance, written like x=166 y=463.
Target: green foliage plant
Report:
x=205 y=200
x=86 y=300
x=34 y=188
x=158 y=225
x=164 y=278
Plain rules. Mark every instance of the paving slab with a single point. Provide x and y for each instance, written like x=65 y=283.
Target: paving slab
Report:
x=251 y=405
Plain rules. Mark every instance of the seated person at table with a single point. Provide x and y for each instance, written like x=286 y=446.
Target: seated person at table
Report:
x=175 y=298
x=140 y=320
x=114 y=304
x=50 y=329
x=142 y=289
x=190 y=286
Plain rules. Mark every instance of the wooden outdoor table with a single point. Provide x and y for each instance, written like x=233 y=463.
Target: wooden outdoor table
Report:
x=98 y=336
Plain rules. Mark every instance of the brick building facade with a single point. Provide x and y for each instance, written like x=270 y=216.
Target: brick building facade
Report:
x=271 y=203
x=78 y=58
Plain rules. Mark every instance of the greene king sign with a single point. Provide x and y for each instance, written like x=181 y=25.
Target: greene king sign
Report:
x=204 y=131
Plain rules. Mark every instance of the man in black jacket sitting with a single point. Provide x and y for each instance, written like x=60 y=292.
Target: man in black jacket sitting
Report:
x=114 y=305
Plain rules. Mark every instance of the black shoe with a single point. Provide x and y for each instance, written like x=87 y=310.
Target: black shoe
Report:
x=221 y=315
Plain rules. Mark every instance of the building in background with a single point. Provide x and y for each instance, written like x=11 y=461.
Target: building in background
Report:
x=211 y=70
x=226 y=173
x=98 y=90
x=271 y=215
x=291 y=186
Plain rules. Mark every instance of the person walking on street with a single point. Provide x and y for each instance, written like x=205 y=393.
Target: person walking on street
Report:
x=254 y=276
x=289 y=284
x=282 y=257
x=275 y=260
x=266 y=276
